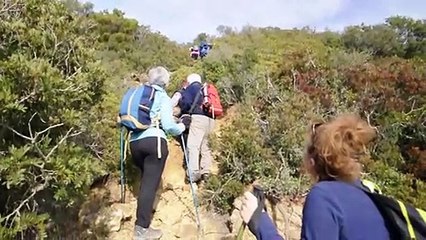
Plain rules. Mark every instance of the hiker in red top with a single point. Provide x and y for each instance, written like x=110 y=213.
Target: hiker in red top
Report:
x=195 y=52
x=196 y=104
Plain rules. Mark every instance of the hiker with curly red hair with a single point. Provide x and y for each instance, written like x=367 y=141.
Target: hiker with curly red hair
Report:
x=335 y=207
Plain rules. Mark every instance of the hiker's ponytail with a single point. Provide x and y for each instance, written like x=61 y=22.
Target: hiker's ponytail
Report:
x=337 y=146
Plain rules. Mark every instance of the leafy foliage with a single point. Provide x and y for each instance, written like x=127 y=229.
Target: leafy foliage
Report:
x=308 y=76
x=399 y=36
x=50 y=81
x=58 y=103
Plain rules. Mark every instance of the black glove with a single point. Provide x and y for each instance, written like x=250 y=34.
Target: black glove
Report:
x=186 y=120
x=253 y=224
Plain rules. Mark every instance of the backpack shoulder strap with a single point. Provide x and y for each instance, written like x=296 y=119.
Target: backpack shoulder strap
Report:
x=147 y=97
x=371 y=186
x=195 y=102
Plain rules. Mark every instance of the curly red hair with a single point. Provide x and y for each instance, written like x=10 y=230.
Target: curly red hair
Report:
x=336 y=147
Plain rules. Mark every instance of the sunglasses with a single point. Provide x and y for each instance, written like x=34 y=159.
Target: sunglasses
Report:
x=314 y=127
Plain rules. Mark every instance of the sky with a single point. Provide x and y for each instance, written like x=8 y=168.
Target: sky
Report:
x=183 y=20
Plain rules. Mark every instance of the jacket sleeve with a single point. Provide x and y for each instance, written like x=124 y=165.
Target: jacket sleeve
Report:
x=320 y=217
x=175 y=98
x=267 y=229
x=166 y=117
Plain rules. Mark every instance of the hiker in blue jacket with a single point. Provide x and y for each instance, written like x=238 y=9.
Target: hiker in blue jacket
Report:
x=335 y=209
x=201 y=125
x=204 y=48
x=149 y=152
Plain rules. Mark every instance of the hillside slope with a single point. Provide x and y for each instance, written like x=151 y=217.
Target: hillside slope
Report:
x=174 y=211
x=64 y=68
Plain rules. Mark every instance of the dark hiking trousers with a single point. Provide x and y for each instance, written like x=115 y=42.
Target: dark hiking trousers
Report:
x=144 y=155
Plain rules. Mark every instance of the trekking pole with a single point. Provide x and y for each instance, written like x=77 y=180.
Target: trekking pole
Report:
x=122 y=190
x=194 y=197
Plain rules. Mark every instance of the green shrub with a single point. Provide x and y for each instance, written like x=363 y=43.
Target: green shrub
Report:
x=50 y=83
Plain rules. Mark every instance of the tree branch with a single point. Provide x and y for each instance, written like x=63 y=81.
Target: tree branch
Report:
x=35 y=190
x=29 y=126
x=48 y=128
x=6 y=6
x=67 y=135
x=17 y=133
x=34 y=138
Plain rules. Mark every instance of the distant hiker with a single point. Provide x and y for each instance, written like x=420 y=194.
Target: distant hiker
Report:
x=149 y=151
x=194 y=52
x=200 y=51
x=204 y=48
x=336 y=207
x=196 y=108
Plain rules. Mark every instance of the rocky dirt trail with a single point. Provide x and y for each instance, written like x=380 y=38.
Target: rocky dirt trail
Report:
x=174 y=211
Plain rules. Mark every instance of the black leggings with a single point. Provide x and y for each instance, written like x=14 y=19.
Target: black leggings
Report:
x=145 y=156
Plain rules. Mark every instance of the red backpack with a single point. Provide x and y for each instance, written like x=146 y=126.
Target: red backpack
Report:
x=211 y=102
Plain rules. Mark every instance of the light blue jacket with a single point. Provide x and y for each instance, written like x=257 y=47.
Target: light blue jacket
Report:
x=161 y=105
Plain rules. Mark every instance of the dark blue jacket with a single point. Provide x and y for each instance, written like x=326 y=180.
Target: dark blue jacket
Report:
x=188 y=97
x=334 y=210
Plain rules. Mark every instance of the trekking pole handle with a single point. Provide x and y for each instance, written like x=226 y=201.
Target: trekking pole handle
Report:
x=259 y=194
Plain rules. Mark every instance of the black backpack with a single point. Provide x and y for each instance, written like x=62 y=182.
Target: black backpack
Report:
x=402 y=220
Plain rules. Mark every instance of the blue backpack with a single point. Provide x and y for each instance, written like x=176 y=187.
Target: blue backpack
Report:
x=204 y=48
x=135 y=107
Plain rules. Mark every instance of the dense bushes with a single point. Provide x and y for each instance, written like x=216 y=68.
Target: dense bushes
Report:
x=398 y=36
x=276 y=104
x=58 y=105
x=50 y=83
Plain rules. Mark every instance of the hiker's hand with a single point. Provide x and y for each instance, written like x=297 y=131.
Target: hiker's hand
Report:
x=176 y=112
x=118 y=122
x=248 y=206
x=186 y=120
x=251 y=209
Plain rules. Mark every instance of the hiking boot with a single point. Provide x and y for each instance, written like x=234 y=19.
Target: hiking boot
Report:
x=147 y=233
